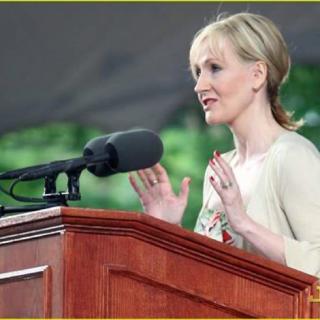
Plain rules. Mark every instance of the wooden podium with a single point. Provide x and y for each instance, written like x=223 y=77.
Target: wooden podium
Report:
x=71 y=262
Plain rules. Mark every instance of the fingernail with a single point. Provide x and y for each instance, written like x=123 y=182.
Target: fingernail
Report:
x=218 y=153
x=189 y=181
x=212 y=178
x=212 y=161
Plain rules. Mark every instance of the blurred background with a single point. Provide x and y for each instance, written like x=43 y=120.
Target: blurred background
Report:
x=74 y=71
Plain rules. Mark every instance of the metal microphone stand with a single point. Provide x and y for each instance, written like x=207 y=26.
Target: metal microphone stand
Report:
x=51 y=197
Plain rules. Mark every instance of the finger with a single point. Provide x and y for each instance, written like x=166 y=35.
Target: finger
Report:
x=216 y=185
x=184 y=190
x=161 y=173
x=218 y=171
x=144 y=179
x=224 y=165
x=135 y=185
x=152 y=178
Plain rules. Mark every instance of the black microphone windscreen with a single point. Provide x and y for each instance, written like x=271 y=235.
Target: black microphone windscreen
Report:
x=97 y=146
x=134 y=150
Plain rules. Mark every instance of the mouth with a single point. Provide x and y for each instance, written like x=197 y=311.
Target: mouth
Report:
x=208 y=102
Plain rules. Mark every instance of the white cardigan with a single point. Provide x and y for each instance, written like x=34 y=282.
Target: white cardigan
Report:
x=285 y=199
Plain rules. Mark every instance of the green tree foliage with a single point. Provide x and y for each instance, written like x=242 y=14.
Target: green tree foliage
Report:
x=188 y=142
x=300 y=95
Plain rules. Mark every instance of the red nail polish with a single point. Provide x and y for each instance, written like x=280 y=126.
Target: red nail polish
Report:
x=212 y=178
x=212 y=161
x=218 y=153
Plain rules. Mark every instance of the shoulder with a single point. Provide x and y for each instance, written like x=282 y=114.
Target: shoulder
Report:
x=293 y=146
x=294 y=157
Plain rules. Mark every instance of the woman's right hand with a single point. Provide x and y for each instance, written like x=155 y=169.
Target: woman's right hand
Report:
x=157 y=197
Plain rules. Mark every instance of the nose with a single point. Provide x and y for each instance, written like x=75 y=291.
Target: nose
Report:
x=202 y=84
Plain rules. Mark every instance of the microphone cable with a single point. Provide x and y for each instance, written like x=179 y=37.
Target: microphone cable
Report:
x=21 y=198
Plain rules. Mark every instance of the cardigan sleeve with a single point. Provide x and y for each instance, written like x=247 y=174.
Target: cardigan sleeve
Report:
x=299 y=187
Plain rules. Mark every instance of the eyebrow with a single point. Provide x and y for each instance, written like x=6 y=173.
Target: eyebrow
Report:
x=208 y=61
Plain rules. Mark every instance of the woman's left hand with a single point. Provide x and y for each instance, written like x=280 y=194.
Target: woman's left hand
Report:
x=227 y=188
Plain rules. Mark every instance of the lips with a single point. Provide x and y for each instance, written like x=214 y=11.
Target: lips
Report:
x=207 y=102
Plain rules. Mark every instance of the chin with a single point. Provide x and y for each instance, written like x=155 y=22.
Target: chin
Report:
x=211 y=120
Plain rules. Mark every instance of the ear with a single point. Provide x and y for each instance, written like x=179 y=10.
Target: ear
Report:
x=260 y=74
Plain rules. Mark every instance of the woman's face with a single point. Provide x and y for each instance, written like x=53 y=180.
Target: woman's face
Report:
x=224 y=84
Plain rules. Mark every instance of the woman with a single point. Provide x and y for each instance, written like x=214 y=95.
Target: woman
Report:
x=263 y=196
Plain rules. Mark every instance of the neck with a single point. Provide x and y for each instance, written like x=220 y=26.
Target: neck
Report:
x=254 y=132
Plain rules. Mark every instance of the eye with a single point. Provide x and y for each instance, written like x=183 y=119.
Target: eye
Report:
x=215 y=68
x=197 y=72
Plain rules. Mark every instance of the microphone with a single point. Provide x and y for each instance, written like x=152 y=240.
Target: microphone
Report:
x=54 y=168
x=13 y=174
x=129 y=151
x=119 y=152
x=96 y=146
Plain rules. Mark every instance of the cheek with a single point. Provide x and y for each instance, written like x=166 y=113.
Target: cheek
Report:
x=237 y=86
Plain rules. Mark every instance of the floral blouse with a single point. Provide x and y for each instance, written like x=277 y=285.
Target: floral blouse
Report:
x=285 y=198
x=214 y=224
x=212 y=220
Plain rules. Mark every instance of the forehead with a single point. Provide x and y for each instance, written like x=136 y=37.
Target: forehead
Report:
x=219 y=50
x=205 y=49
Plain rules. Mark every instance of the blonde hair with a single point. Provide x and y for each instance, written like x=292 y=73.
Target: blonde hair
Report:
x=254 y=38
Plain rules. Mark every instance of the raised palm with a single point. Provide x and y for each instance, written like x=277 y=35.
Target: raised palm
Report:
x=157 y=196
